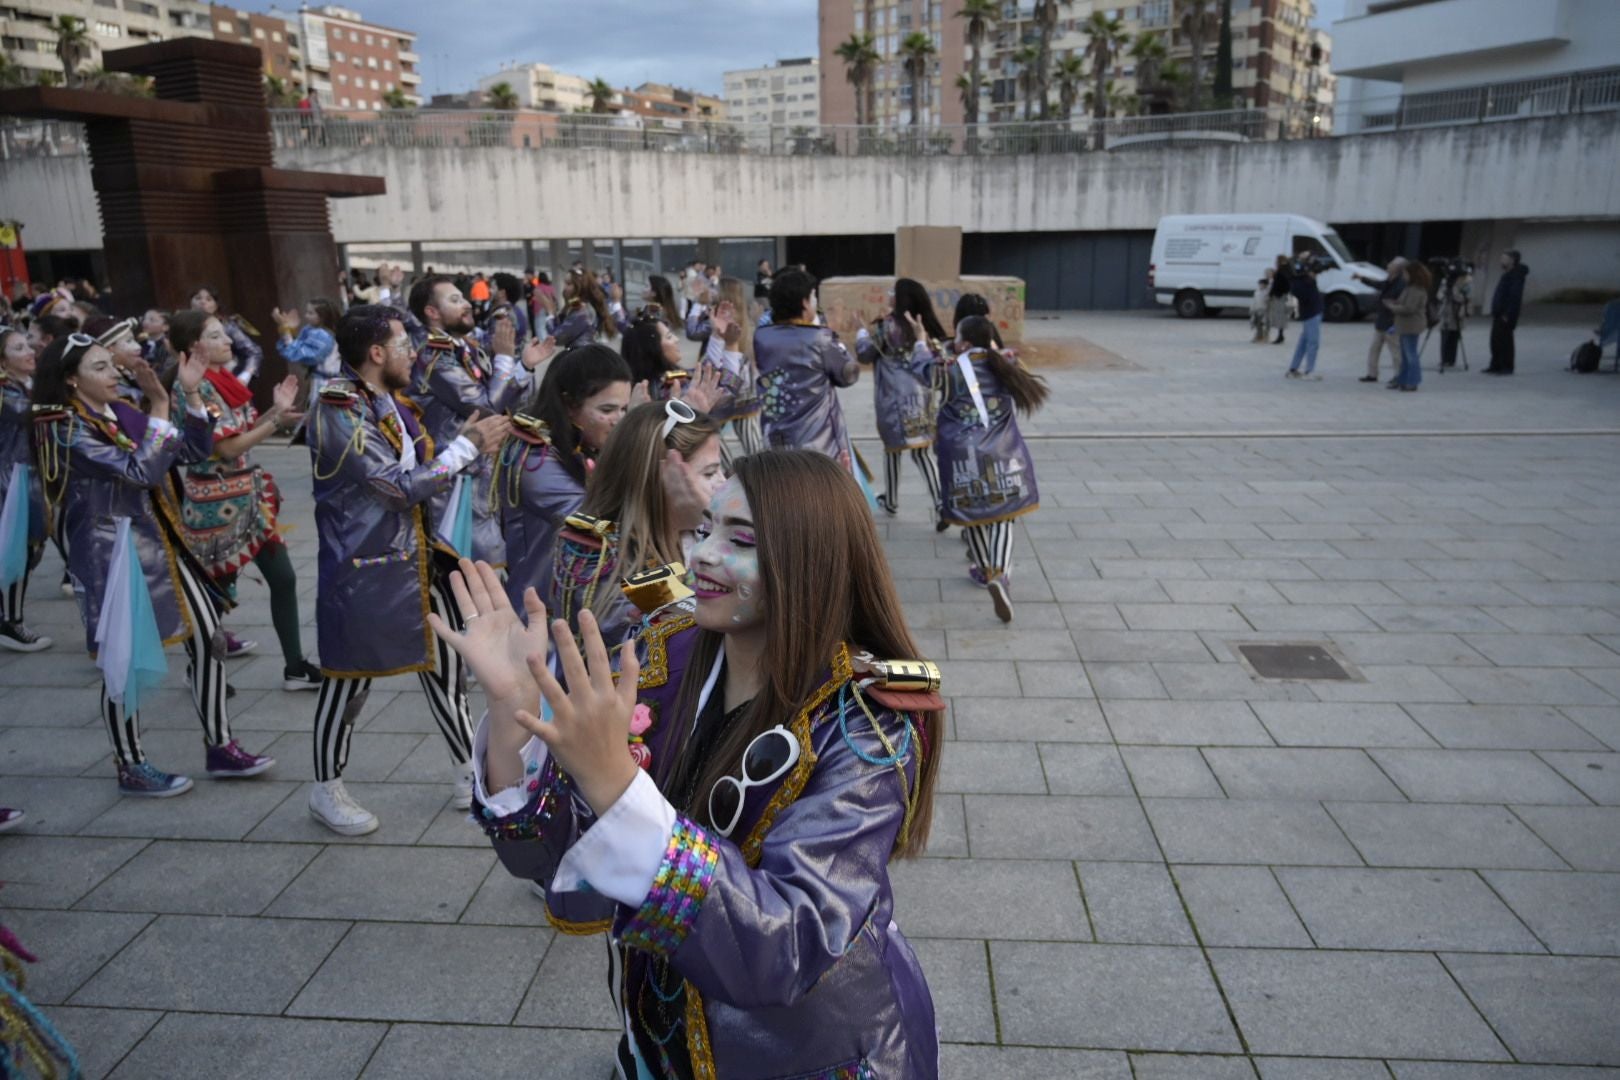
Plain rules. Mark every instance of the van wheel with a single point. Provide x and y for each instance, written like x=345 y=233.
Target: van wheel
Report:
x=1189 y=304
x=1341 y=307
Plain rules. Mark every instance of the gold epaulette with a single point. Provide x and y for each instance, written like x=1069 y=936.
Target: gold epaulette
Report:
x=340 y=393
x=438 y=339
x=589 y=525
x=902 y=685
x=49 y=414
x=659 y=587
x=531 y=430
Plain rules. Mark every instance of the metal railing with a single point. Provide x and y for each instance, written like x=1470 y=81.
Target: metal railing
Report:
x=1588 y=91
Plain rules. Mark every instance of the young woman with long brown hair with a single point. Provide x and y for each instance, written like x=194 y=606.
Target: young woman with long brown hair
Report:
x=743 y=867
x=585 y=315
x=902 y=348
x=644 y=502
x=728 y=349
x=985 y=470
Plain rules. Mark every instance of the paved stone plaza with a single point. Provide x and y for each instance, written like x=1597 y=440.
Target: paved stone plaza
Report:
x=1146 y=862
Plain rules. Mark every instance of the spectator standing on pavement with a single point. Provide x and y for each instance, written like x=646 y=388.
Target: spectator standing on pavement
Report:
x=1410 y=314
x=1384 y=336
x=1505 y=305
x=1456 y=290
x=1302 y=285
x=1277 y=305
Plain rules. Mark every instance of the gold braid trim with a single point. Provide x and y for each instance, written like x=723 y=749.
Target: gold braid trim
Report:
x=699 y=1050
x=577 y=929
x=791 y=787
x=655 y=672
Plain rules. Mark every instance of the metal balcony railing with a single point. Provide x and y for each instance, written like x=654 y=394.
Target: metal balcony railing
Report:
x=523 y=129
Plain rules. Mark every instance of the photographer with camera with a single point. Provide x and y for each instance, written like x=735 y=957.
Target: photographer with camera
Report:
x=1456 y=285
x=1393 y=284
x=1302 y=284
x=1277 y=299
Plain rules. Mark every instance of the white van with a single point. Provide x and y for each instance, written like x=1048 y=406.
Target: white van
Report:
x=1204 y=262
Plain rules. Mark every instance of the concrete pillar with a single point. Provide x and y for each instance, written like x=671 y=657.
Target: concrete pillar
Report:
x=416 y=257
x=658 y=256
x=559 y=264
x=781 y=253
x=709 y=250
x=587 y=250
x=528 y=254
x=617 y=265
x=343 y=259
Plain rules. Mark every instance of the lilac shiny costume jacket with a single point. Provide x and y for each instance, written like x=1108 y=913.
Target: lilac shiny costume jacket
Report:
x=800 y=369
x=372 y=598
x=902 y=385
x=454 y=378
x=576 y=326
x=16 y=448
x=247 y=355
x=120 y=469
x=534 y=493
x=782 y=937
x=985 y=471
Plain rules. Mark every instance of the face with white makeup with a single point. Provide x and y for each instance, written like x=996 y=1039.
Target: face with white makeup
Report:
x=725 y=565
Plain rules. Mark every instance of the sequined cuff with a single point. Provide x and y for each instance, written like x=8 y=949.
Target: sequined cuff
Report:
x=549 y=788
x=662 y=922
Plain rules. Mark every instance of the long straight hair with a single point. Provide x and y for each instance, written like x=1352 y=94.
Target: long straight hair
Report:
x=664 y=296
x=570 y=380
x=589 y=292
x=627 y=485
x=911 y=298
x=825 y=582
x=1028 y=390
x=733 y=290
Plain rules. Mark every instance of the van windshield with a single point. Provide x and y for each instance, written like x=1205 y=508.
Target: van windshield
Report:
x=1337 y=247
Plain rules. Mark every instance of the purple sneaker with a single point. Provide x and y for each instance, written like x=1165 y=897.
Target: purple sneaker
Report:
x=235 y=646
x=229 y=761
x=147 y=781
x=976 y=575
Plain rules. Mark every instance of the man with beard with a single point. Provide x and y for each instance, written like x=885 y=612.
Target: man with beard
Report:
x=375 y=470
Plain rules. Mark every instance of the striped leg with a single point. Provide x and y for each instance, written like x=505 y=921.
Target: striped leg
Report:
x=924 y=457
x=891 y=481
x=991 y=546
x=124 y=729
x=15 y=593
x=340 y=703
x=446 y=684
x=749 y=437
x=206 y=651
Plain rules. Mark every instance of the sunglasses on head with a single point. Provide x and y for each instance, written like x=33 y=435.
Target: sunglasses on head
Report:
x=768 y=758
x=676 y=411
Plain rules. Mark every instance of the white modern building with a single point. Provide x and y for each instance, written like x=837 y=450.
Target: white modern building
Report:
x=541 y=86
x=788 y=92
x=28 y=36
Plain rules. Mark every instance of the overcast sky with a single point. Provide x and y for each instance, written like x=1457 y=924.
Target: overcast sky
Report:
x=627 y=42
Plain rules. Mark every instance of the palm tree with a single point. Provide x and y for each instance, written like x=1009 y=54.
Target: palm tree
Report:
x=860 y=56
x=1107 y=101
x=1028 y=76
x=12 y=73
x=1105 y=38
x=1070 y=72
x=73 y=45
x=502 y=97
x=918 y=50
x=1046 y=20
x=1148 y=54
x=980 y=16
x=601 y=96
x=1198 y=23
x=396 y=99
x=278 y=94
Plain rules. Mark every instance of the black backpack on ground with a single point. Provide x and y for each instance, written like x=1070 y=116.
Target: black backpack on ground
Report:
x=1585 y=358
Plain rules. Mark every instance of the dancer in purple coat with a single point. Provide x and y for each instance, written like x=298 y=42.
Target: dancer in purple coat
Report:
x=735 y=799
x=801 y=366
x=903 y=349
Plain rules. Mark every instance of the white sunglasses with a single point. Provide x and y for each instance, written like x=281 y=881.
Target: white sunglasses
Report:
x=772 y=753
x=676 y=411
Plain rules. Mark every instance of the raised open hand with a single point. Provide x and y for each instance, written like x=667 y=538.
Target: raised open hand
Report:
x=285 y=395
x=148 y=381
x=589 y=729
x=703 y=392
x=495 y=644
x=503 y=336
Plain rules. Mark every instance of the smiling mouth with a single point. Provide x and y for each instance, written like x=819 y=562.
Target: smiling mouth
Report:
x=708 y=588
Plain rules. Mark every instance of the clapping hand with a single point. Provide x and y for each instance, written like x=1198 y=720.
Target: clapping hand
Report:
x=537 y=352
x=283 y=399
x=503 y=338
x=148 y=381
x=704 y=391
x=495 y=644
x=191 y=371
x=286 y=321
x=589 y=728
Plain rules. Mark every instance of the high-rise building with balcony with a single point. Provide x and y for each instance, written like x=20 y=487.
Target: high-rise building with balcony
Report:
x=28 y=36
x=353 y=64
x=787 y=92
x=1273 y=62
x=276 y=40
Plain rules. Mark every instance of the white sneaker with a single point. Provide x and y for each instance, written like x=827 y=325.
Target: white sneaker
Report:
x=462 y=800
x=332 y=806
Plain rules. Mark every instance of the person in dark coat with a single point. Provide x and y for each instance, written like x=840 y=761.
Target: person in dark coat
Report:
x=1505 y=306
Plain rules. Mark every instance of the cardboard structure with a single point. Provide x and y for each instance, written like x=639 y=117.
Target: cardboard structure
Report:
x=933 y=256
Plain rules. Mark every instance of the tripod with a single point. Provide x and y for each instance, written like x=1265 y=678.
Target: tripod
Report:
x=1447 y=307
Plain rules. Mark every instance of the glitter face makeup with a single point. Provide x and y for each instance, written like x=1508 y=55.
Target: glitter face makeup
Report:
x=725 y=573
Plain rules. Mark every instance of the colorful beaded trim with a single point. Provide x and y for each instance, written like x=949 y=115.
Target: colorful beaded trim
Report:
x=547 y=792
x=671 y=908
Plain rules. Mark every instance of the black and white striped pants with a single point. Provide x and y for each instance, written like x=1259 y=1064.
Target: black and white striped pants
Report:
x=991 y=547
x=12 y=598
x=748 y=433
x=924 y=457
x=205 y=653
x=445 y=685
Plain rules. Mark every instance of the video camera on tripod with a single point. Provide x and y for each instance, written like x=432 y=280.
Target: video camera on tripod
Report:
x=1449 y=308
x=1311 y=264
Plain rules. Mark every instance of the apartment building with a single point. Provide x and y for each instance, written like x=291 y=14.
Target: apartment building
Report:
x=27 y=36
x=541 y=86
x=787 y=92
x=660 y=101
x=353 y=64
x=276 y=41
x=1272 y=57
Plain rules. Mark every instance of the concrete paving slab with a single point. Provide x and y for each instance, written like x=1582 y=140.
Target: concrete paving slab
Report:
x=71 y=946
x=958 y=974
x=1134 y=904
x=571 y=989
x=1185 y=723
x=1403 y=910
x=1293 y=773
x=1588 y=837
x=958 y=1062
x=1263 y=832
x=1071 y=827
x=412 y=884
x=101 y=1037
x=416 y=1050
x=1571 y=912
x=1014 y=900
x=1170 y=772
x=1343 y=724
x=200 y=1047
x=53 y=872
x=1240 y=906
x=1553 y=1009
x=1477 y=776
x=1502 y=727
x=1434 y=835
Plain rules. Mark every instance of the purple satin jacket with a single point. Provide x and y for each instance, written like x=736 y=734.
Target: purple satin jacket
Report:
x=534 y=493
x=372 y=597
x=800 y=370
x=782 y=939
x=16 y=448
x=985 y=471
x=576 y=326
x=453 y=379
x=902 y=386
x=121 y=470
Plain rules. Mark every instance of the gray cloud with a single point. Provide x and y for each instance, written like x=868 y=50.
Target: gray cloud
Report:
x=627 y=42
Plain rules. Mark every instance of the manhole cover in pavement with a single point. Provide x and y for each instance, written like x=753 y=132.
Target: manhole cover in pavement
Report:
x=1294 y=662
